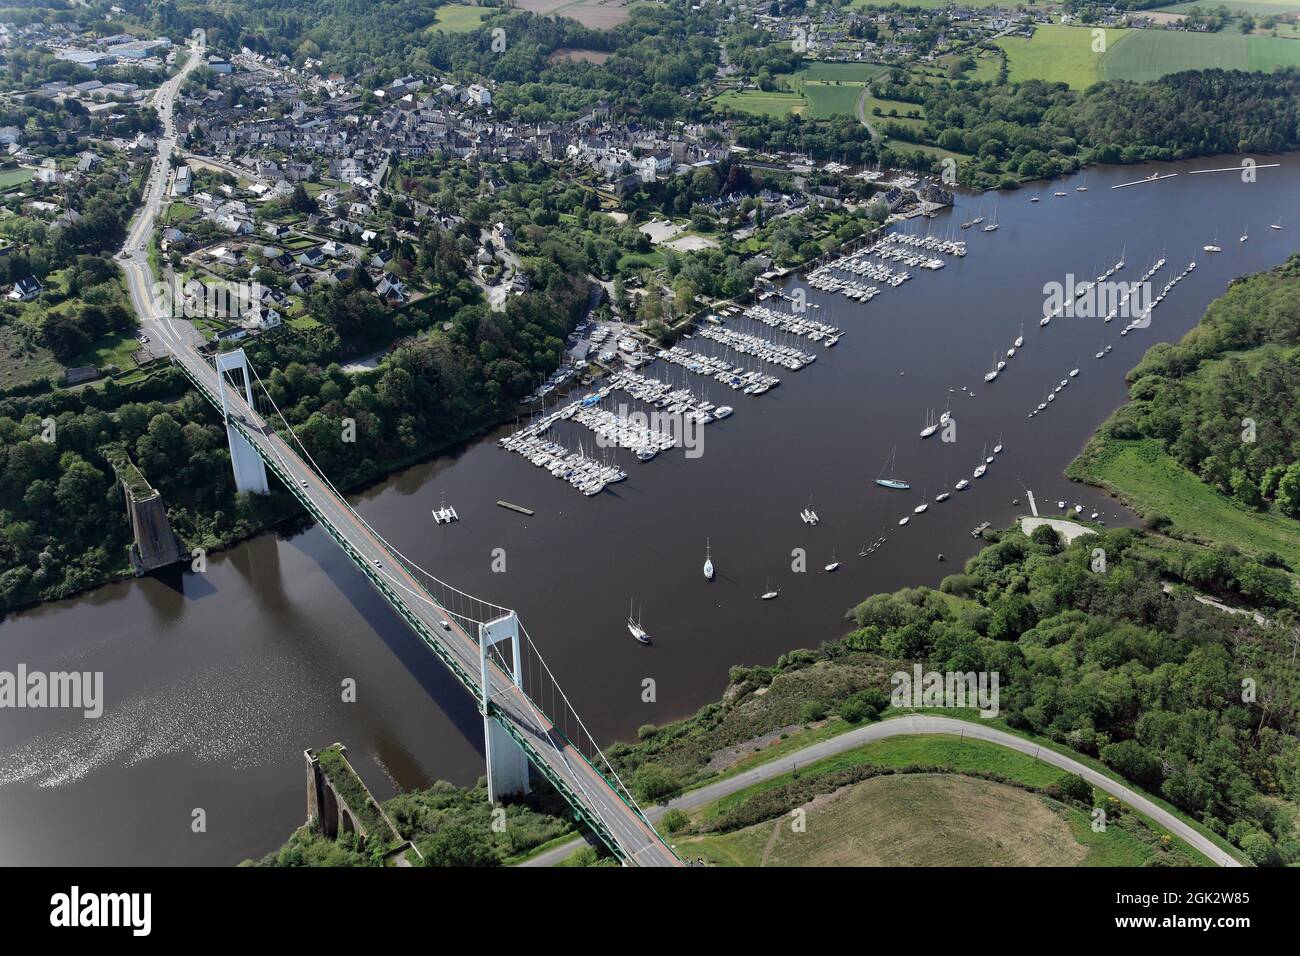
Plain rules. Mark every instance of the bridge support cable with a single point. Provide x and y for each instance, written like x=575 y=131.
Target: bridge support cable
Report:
x=473 y=613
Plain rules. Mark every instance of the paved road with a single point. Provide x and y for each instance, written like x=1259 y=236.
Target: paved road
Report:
x=918 y=724
x=435 y=626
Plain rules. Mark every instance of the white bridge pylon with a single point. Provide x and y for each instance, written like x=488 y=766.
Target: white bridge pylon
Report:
x=507 y=764
x=250 y=470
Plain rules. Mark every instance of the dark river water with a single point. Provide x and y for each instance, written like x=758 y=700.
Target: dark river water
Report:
x=216 y=682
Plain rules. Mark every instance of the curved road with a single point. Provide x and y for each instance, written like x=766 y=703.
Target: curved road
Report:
x=921 y=724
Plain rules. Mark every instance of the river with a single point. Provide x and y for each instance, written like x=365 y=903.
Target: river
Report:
x=216 y=682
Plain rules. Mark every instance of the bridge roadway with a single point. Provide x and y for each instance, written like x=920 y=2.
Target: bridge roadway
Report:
x=591 y=795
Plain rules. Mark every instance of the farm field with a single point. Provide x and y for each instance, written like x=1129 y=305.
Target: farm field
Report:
x=1059 y=54
x=1064 y=54
x=597 y=14
x=458 y=18
x=1261 y=8
x=1150 y=54
x=761 y=103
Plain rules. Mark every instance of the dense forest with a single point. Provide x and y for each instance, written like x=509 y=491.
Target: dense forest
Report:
x=1222 y=401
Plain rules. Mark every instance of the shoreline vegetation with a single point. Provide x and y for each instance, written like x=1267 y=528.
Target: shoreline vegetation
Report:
x=1141 y=684
x=1207 y=449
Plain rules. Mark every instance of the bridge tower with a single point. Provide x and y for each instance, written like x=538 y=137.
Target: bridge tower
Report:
x=250 y=470
x=507 y=764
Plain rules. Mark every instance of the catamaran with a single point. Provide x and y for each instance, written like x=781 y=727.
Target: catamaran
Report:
x=1214 y=246
x=634 y=627
x=897 y=484
x=809 y=516
x=708 y=561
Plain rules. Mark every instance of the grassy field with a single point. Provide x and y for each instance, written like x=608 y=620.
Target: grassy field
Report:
x=179 y=212
x=1265 y=54
x=1151 y=482
x=1065 y=55
x=763 y=104
x=1059 y=55
x=9 y=178
x=457 y=18
x=1257 y=7
x=906 y=820
x=827 y=99
x=818 y=91
x=938 y=750
x=20 y=364
x=932 y=820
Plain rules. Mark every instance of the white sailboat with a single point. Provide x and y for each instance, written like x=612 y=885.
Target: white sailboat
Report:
x=1020 y=339
x=708 y=561
x=1244 y=235
x=1276 y=225
x=834 y=563
x=897 y=484
x=769 y=592
x=992 y=226
x=1214 y=246
x=982 y=466
x=931 y=426
x=634 y=627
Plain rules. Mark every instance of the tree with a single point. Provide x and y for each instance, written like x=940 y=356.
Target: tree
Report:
x=455 y=844
x=1288 y=492
x=1134 y=762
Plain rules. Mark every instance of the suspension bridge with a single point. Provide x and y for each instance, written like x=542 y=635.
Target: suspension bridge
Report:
x=527 y=719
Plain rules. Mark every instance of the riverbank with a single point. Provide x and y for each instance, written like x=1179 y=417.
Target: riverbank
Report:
x=1221 y=401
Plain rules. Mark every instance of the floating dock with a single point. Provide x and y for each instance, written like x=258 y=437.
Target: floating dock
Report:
x=981 y=528
x=510 y=506
x=1149 y=179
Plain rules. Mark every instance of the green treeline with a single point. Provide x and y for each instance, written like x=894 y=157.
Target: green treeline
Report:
x=1106 y=664
x=1222 y=402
